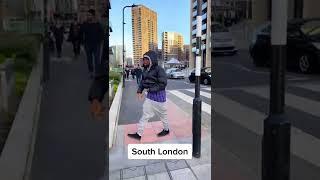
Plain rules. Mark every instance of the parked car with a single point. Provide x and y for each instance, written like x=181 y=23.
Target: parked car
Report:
x=205 y=76
x=303 y=45
x=168 y=71
x=223 y=43
x=176 y=74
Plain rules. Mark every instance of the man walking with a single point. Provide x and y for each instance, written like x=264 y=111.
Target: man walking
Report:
x=58 y=32
x=75 y=38
x=92 y=34
x=138 y=72
x=154 y=80
x=127 y=72
x=133 y=73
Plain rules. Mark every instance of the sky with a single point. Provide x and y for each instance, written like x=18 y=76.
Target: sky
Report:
x=173 y=15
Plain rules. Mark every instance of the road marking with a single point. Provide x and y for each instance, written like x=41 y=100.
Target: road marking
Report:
x=297 y=102
x=312 y=87
x=204 y=94
x=298 y=79
x=207 y=88
x=201 y=86
x=239 y=113
x=303 y=144
x=243 y=68
x=205 y=107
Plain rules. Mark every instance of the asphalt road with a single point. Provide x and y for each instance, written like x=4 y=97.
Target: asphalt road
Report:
x=238 y=70
x=241 y=103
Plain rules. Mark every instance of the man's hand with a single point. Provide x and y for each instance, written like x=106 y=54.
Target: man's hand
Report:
x=140 y=96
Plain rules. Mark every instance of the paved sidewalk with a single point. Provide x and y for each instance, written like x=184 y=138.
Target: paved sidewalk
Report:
x=120 y=167
x=70 y=144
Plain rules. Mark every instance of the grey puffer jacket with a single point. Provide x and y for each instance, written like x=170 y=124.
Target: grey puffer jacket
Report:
x=153 y=77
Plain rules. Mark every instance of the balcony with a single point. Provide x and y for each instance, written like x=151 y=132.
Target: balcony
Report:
x=194 y=22
x=203 y=47
x=194 y=5
x=194 y=13
x=194 y=31
x=204 y=16
x=205 y=5
x=204 y=27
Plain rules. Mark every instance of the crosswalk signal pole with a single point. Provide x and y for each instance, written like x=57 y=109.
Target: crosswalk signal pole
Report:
x=196 y=115
x=276 y=137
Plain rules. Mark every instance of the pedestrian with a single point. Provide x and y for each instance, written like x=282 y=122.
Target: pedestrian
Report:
x=75 y=39
x=133 y=73
x=138 y=72
x=58 y=31
x=127 y=72
x=92 y=37
x=154 y=80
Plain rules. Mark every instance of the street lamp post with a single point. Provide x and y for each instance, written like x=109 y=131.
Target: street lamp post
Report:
x=196 y=113
x=123 y=23
x=276 y=136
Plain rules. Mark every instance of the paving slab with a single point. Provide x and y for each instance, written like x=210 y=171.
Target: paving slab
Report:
x=115 y=175
x=176 y=164
x=202 y=172
x=159 y=176
x=183 y=174
x=133 y=172
x=156 y=168
x=137 y=178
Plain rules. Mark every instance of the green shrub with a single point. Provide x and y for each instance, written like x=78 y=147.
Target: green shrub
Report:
x=114 y=76
x=24 y=46
x=2 y=58
x=115 y=87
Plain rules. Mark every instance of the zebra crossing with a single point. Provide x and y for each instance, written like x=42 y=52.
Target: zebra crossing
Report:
x=247 y=107
x=188 y=98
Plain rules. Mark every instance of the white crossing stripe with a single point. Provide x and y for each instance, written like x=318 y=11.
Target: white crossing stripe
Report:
x=297 y=102
x=204 y=94
x=312 y=87
x=205 y=107
x=207 y=88
x=239 y=113
x=303 y=144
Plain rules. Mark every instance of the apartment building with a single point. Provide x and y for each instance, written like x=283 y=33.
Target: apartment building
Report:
x=172 y=45
x=144 y=31
x=206 y=32
x=186 y=54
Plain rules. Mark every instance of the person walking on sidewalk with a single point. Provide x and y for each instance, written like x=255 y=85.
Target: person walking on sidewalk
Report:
x=75 y=39
x=154 y=80
x=92 y=34
x=133 y=72
x=127 y=72
x=58 y=32
x=138 y=72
